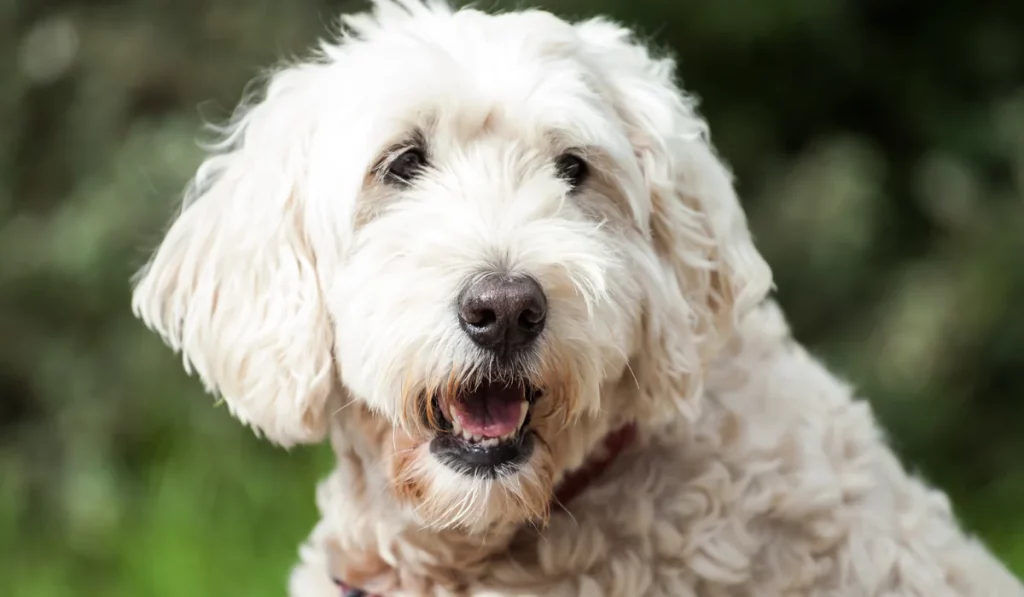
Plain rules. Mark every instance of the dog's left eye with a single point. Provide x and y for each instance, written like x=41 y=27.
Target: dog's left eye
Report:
x=404 y=168
x=572 y=169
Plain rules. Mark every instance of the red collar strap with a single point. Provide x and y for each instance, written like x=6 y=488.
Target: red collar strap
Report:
x=571 y=486
x=347 y=591
x=578 y=480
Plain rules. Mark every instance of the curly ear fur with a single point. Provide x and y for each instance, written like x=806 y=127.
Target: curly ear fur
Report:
x=233 y=285
x=711 y=272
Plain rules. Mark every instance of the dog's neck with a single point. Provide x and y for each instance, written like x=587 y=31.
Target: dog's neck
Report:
x=358 y=564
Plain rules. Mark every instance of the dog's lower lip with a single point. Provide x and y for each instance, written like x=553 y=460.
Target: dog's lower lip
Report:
x=483 y=461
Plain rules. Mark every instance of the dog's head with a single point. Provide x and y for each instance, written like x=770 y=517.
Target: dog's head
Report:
x=481 y=233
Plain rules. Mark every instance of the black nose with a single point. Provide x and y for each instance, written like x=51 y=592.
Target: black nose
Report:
x=503 y=312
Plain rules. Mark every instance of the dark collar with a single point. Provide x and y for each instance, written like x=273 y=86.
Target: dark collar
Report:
x=571 y=486
x=347 y=591
x=578 y=480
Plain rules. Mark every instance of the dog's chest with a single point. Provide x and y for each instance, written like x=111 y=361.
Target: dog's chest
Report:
x=671 y=519
x=657 y=524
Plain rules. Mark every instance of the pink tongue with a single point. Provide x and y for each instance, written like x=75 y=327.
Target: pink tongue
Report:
x=489 y=411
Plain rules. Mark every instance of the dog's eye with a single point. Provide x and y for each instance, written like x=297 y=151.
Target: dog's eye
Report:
x=572 y=169
x=406 y=166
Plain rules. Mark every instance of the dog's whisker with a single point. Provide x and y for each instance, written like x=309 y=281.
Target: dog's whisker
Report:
x=344 y=406
x=625 y=359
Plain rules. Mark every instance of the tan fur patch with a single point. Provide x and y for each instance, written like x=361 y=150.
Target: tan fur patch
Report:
x=407 y=488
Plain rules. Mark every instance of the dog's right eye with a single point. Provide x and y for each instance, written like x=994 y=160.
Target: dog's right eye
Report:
x=572 y=169
x=406 y=166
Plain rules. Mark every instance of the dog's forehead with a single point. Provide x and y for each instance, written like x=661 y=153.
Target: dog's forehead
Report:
x=518 y=74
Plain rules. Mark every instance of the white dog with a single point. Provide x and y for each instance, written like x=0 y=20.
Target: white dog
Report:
x=496 y=259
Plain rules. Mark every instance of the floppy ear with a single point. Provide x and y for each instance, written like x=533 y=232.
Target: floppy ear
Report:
x=710 y=272
x=233 y=285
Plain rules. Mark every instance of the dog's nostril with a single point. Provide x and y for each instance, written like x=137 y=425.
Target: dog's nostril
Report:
x=502 y=312
x=531 y=317
x=478 y=317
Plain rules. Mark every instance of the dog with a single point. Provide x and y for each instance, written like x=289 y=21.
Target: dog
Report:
x=495 y=259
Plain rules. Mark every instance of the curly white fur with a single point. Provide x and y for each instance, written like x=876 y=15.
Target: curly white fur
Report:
x=317 y=298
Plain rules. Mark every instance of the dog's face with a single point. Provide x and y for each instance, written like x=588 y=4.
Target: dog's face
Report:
x=465 y=239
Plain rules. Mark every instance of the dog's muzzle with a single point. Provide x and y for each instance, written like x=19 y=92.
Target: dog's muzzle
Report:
x=484 y=425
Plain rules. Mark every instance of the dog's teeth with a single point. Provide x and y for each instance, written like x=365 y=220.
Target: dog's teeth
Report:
x=467 y=435
x=489 y=443
x=453 y=417
x=524 y=408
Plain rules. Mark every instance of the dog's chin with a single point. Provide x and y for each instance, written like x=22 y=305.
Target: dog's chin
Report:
x=484 y=431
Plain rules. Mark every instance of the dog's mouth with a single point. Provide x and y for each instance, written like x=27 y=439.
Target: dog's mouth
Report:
x=484 y=430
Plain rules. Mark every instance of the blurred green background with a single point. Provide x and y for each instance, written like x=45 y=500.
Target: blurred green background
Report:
x=879 y=146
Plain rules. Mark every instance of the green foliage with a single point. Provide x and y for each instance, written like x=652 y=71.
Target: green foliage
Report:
x=879 y=147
